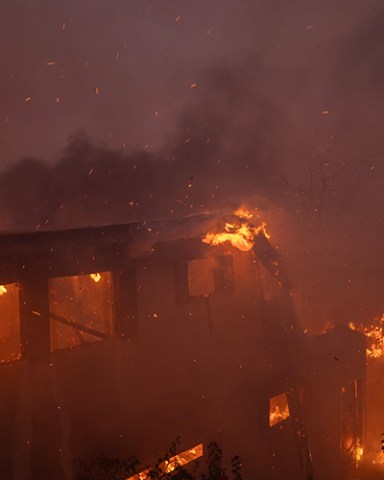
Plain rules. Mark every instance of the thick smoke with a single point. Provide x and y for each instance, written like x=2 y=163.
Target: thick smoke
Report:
x=227 y=149
x=176 y=108
x=285 y=119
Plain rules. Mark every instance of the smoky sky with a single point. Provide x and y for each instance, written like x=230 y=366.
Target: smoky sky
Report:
x=129 y=110
x=142 y=57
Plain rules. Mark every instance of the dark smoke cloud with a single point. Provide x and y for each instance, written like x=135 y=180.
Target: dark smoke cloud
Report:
x=142 y=56
x=276 y=105
x=226 y=150
x=181 y=107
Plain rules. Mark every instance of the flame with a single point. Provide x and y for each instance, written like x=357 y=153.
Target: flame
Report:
x=278 y=414
x=241 y=213
x=241 y=236
x=96 y=277
x=358 y=452
x=278 y=409
x=3 y=290
x=374 y=333
x=144 y=475
x=183 y=458
x=168 y=466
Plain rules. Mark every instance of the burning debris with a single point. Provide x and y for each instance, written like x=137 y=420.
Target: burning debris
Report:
x=171 y=464
x=162 y=283
x=375 y=336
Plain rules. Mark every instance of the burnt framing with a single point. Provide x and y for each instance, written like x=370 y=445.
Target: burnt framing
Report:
x=332 y=374
x=30 y=259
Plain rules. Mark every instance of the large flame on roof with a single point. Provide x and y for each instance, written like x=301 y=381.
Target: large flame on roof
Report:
x=240 y=232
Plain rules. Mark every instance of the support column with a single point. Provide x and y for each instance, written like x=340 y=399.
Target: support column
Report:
x=34 y=315
x=45 y=435
x=126 y=297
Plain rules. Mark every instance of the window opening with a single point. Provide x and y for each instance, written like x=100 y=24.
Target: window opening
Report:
x=10 y=348
x=81 y=309
x=278 y=409
x=201 y=280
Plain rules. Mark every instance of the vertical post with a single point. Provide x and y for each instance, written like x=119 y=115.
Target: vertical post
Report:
x=34 y=314
x=45 y=436
x=126 y=298
x=181 y=282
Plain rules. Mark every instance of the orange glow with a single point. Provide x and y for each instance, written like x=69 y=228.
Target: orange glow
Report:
x=374 y=333
x=144 y=475
x=240 y=212
x=183 y=458
x=379 y=459
x=96 y=277
x=10 y=349
x=358 y=452
x=173 y=463
x=81 y=308
x=247 y=215
x=278 y=409
x=240 y=235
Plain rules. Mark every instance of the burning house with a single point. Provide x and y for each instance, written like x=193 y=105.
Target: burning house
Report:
x=119 y=339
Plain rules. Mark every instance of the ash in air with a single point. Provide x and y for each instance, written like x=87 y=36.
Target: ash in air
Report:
x=288 y=123
x=148 y=110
